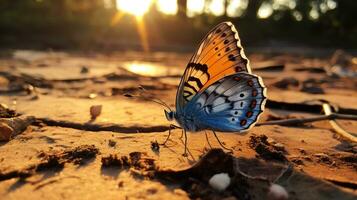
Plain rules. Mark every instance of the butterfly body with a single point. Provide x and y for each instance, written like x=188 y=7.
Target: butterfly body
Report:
x=218 y=91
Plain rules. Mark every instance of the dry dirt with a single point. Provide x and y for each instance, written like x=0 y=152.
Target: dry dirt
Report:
x=66 y=154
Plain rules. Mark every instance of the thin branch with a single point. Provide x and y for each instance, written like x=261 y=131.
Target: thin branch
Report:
x=327 y=109
x=101 y=127
x=331 y=116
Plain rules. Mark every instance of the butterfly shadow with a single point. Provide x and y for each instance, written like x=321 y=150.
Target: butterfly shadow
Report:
x=43 y=176
x=112 y=171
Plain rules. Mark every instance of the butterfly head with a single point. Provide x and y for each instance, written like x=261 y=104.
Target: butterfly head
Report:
x=170 y=115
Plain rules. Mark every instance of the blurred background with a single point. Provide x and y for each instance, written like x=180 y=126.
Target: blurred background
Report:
x=176 y=25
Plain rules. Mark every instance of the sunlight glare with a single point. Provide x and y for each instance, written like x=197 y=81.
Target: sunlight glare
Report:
x=195 y=7
x=168 y=7
x=265 y=10
x=236 y=8
x=145 y=69
x=216 y=7
x=134 y=7
x=314 y=13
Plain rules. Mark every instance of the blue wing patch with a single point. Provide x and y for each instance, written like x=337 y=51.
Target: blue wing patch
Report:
x=231 y=104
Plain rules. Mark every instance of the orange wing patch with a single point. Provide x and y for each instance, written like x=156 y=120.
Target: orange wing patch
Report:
x=220 y=54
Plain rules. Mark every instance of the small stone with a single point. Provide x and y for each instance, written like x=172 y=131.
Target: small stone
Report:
x=220 y=181
x=277 y=192
x=84 y=70
x=121 y=184
x=95 y=111
x=155 y=146
x=271 y=141
x=92 y=95
x=5 y=132
x=112 y=143
x=279 y=147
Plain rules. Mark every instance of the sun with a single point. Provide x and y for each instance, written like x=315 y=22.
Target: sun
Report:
x=135 y=7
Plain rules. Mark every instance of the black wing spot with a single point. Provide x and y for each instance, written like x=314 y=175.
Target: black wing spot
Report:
x=233 y=119
x=203 y=68
x=228 y=49
x=219 y=54
x=241 y=95
x=225 y=41
x=241 y=104
x=218 y=30
x=224 y=35
x=236 y=112
x=231 y=57
x=238 y=69
x=216 y=48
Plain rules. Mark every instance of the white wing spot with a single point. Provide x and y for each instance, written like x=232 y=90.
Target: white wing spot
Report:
x=220 y=108
x=219 y=101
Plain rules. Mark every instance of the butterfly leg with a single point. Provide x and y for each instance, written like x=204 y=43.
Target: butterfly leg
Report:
x=220 y=143
x=170 y=128
x=185 y=152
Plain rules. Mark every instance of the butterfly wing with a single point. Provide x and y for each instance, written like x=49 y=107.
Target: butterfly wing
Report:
x=219 y=54
x=233 y=103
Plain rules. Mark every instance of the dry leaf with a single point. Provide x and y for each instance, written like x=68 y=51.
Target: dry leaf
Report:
x=95 y=111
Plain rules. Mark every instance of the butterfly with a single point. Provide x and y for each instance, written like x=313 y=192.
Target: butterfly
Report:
x=218 y=91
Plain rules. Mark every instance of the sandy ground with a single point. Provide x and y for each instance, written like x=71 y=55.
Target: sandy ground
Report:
x=62 y=155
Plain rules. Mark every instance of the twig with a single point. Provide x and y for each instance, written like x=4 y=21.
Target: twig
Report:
x=327 y=109
x=331 y=116
x=101 y=127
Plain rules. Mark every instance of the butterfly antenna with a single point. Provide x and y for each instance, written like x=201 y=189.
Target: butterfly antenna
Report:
x=141 y=96
x=143 y=90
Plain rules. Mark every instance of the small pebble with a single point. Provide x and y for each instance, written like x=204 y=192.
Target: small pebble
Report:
x=92 y=95
x=279 y=147
x=112 y=143
x=84 y=70
x=277 y=192
x=95 y=111
x=5 y=132
x=155 y=146
x=220 y=181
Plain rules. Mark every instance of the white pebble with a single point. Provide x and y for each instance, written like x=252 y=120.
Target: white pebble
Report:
x=219 y=181
x=277 y=192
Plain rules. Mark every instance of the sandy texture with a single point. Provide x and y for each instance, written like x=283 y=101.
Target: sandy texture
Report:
x=60 y=155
